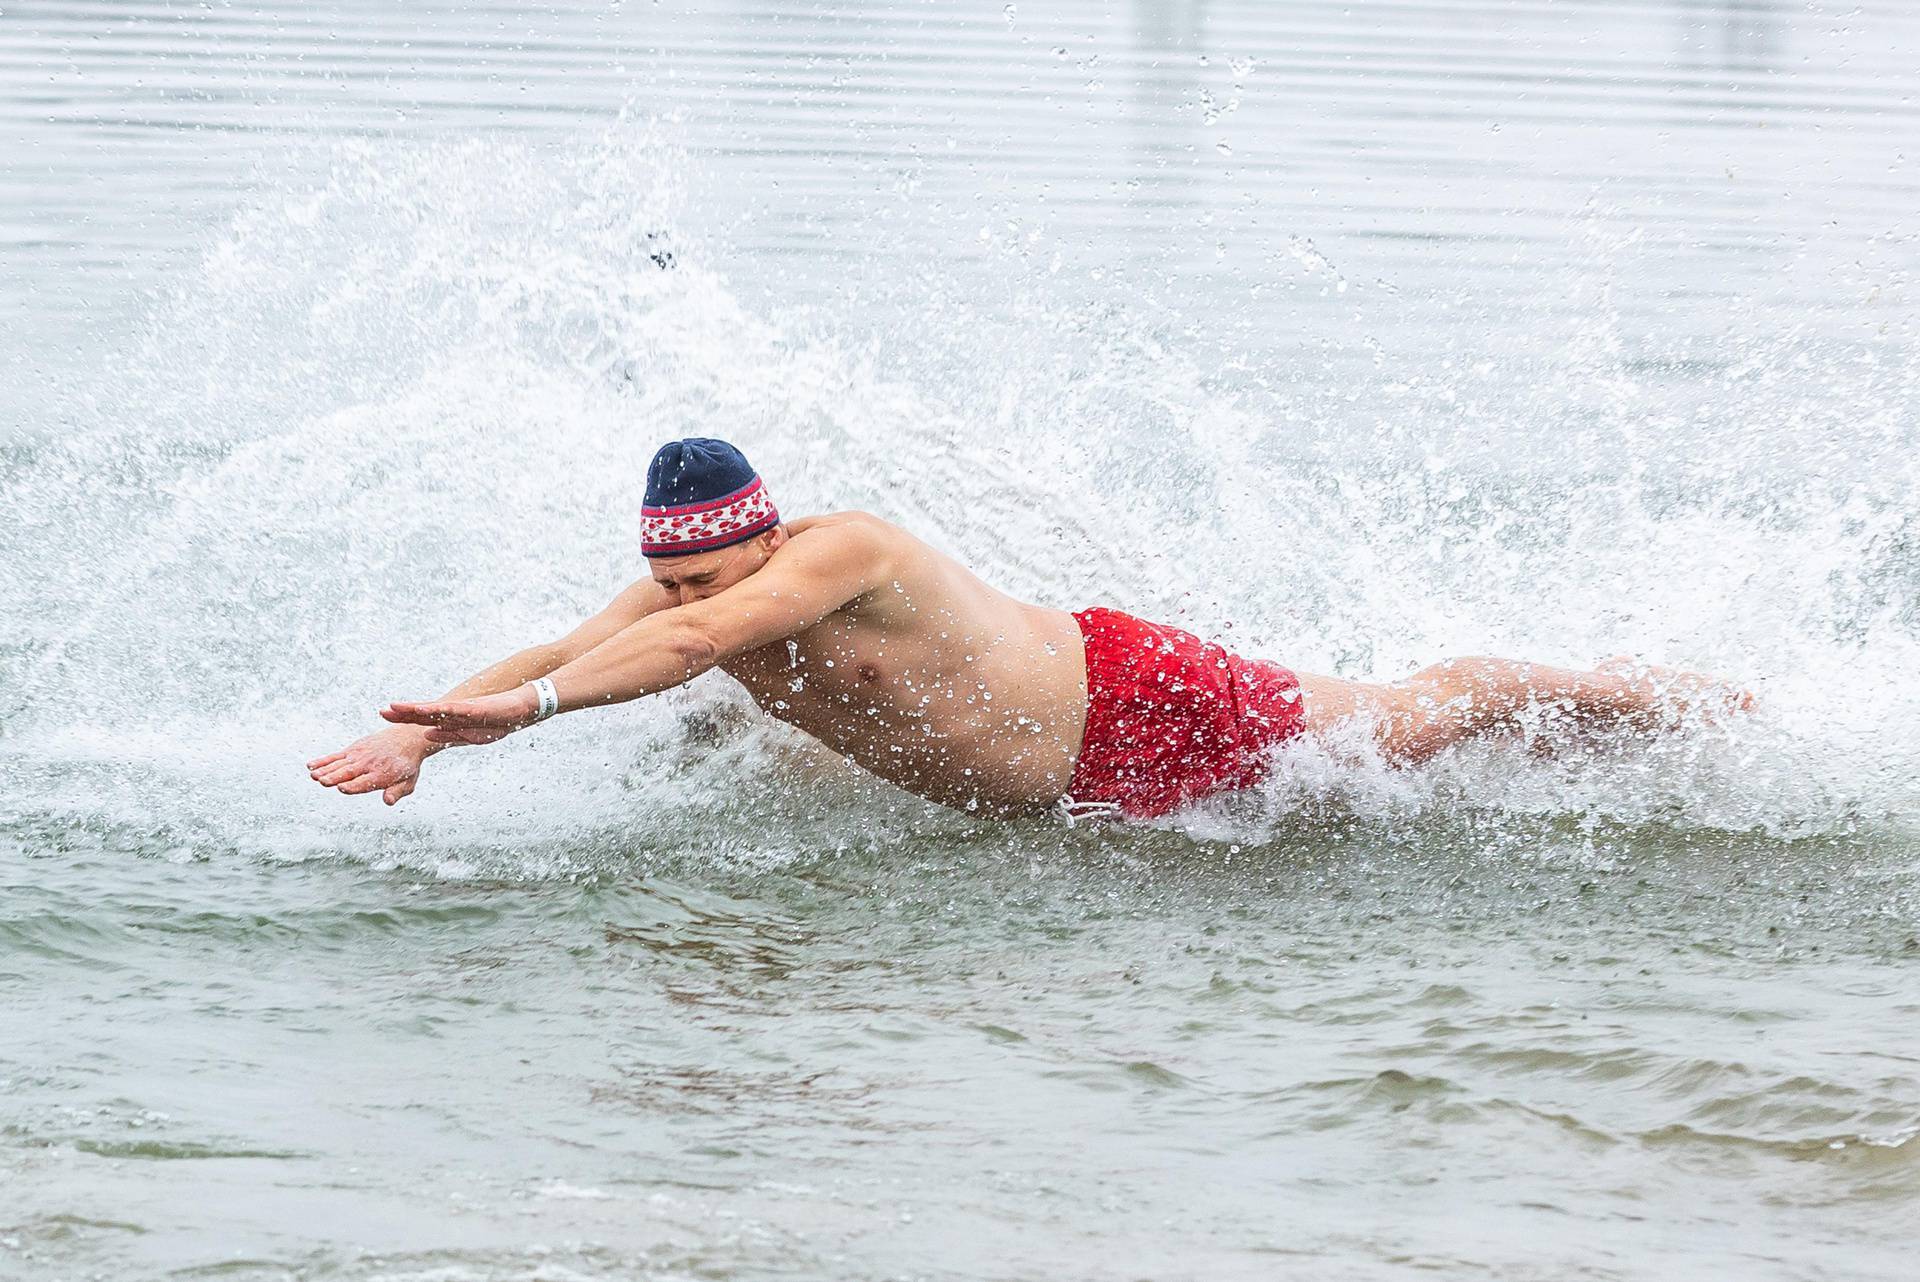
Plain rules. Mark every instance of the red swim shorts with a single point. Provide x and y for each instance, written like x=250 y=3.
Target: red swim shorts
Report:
x=1171 y=719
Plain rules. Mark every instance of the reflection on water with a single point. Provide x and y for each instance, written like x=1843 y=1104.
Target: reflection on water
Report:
x=1169 y=89
x=1729 y=35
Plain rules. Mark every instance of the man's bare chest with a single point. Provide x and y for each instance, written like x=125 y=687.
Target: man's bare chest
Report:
x=836 y=668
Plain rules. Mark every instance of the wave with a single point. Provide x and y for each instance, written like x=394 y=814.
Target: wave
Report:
x=397 y=422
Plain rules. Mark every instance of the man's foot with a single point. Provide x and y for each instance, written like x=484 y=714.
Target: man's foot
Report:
x=1678 y=690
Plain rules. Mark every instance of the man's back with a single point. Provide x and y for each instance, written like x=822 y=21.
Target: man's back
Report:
x=932 y=679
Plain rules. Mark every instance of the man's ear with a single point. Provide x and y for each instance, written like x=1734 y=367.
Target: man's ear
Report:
x=776 y=538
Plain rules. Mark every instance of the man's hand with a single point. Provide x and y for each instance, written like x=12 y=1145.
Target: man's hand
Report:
x=386 y=759
x=488 y=719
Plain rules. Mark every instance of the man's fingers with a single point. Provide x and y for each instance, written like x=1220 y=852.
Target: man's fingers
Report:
x=362 y=783
x=402 y=789
x=340 y=773
x=445 y=736
x=490 y=713
x=327 y=760
x=426 y=714
x=415 y=712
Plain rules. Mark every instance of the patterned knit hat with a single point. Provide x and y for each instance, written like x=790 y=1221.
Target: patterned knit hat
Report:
x=702 y=494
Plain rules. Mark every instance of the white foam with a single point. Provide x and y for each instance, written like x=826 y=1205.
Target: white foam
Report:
x=398 y=423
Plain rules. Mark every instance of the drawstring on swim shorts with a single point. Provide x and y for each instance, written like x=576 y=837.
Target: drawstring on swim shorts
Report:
x=1072 y=812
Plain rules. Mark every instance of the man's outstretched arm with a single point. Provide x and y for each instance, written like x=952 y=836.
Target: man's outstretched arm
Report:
x=389 y=760
x=812 y=575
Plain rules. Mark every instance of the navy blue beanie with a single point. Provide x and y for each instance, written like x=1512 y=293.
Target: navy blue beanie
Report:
x=702 y=494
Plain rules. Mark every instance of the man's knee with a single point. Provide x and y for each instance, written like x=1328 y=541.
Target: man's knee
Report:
x=1413 y=720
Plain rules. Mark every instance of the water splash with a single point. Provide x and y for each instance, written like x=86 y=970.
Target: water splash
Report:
x=398 y=421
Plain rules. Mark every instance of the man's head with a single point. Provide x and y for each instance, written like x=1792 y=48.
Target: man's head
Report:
x=707 y=522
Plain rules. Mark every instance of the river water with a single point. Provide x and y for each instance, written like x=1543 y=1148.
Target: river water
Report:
x=334 y=340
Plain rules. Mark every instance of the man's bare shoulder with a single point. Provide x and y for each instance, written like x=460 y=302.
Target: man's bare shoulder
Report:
x=865 y=521
x=861 y=531
x=874 y=549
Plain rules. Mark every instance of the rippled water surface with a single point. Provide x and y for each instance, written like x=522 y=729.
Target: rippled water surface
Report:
x=334 y=340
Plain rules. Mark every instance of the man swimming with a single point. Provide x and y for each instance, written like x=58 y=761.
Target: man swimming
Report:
x=900 y=659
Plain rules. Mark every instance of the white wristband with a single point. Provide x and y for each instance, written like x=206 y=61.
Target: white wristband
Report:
x=549 y=698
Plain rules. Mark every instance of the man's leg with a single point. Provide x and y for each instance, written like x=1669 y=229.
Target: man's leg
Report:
x=1458 y=699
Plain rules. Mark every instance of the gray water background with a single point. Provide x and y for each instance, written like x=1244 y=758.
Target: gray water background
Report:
x=331 y=351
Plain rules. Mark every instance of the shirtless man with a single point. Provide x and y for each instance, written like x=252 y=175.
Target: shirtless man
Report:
x=901 y=660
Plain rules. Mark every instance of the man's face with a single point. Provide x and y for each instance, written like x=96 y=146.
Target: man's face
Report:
x=704 y=574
